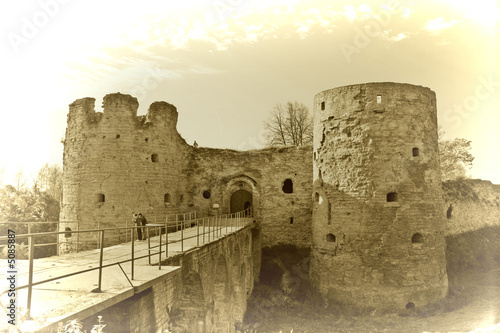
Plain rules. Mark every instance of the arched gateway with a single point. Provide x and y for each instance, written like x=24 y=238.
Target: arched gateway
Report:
x=240 y=200
x=240 y=194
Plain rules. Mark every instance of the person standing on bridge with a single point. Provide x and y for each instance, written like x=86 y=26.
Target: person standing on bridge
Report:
x=140 y=221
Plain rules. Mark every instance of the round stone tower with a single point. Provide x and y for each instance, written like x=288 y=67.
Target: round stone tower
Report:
x=378 y=238
x=117 y=163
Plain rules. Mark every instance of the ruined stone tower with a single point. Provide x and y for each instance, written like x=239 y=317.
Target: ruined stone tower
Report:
x=117 y=163
x=378 y=237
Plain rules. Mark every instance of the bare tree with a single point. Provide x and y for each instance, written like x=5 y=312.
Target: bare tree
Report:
x=289 y=125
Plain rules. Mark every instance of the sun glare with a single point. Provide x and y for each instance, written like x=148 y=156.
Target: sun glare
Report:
x=485 y=12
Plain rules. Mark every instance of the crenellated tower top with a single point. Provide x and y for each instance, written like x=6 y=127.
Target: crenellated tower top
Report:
x=119 y=108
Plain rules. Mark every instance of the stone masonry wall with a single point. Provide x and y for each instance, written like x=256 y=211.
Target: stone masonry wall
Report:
x=472 y=210
x=208 y=293
x=370 y=141
x=284 y=217
x=470 y=204
x=378 y=229
x=116 y=163
x=146 y=311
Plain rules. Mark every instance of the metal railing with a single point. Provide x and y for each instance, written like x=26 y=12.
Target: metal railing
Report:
x=30 y=227
x=170 y=219
x=207 y=229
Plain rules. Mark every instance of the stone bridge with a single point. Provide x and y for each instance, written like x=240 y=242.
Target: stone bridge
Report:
x=208 y=293
x=203 y=288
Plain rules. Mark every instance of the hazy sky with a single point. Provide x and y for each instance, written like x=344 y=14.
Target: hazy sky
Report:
x=225 y=63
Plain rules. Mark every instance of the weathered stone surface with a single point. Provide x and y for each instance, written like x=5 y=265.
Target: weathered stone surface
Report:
x=262 y=173
x=367 y=196
x=208 y=294
x=373 y=248
x=470 y=204
x=133 y=163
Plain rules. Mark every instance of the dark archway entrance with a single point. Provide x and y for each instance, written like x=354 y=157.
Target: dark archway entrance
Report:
x=240 y=200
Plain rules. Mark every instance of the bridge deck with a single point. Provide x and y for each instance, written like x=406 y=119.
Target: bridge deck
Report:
x=65 y=298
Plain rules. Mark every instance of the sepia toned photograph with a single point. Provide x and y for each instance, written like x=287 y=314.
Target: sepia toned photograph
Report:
x=250 y=166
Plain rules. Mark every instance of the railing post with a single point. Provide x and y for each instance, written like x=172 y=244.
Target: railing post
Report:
x=149 y=245
x=31 y=244
x=98 y=227
x=225 y=218
x=132 y=254
x=182 y=236
x=209 y=231
x=176 y=223
x=101 y=257
x=165 y=226
x=197 y=233
x=57 y=238
x=159 y=254
x=166 y=243
x=77 y=237
x=203 y=221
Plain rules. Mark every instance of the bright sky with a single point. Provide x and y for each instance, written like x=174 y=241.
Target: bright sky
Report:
x=226 y=63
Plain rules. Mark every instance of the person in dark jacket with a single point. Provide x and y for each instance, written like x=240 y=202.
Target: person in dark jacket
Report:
x=140 y=221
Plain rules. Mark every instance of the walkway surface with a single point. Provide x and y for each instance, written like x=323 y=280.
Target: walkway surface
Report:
x=61 y=299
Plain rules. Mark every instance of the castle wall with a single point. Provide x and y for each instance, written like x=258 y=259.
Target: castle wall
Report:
x=470 y=205
x=378 y=229
x=367 y=196
x=472 y=210
x=116 y=163
x=284 y=217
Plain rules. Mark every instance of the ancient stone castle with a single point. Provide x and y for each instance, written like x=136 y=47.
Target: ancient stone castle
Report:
x=366 y=198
